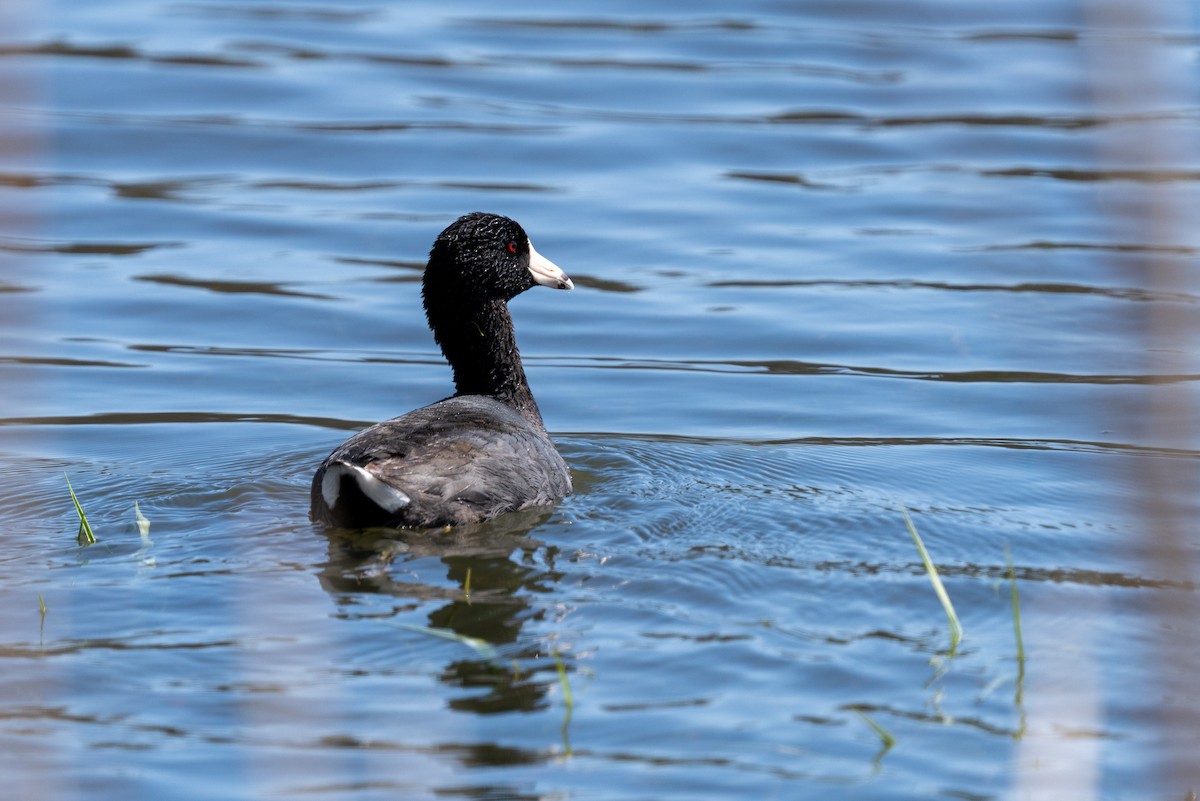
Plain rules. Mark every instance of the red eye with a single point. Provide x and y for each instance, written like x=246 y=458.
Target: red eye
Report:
x=512 y=247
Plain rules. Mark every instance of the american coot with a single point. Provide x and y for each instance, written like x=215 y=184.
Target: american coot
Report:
x=482 y=452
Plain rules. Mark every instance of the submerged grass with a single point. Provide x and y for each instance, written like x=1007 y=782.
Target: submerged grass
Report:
x=41 y=620
x=1016 y=614
x=85 y=536
x=956 y=631
x=568 y=701
x=568 y=697
x=482 y=647
x=1016 y=610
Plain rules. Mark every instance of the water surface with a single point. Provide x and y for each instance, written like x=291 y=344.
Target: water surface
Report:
x=832 y=260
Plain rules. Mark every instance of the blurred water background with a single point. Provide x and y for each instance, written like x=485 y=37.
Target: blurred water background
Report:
x=832 y=259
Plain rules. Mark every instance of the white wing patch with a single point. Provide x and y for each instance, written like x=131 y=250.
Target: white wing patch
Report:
x=384 y=496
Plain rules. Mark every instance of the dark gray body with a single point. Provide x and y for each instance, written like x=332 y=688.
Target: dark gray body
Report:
x=482 y=452
x=462 y=460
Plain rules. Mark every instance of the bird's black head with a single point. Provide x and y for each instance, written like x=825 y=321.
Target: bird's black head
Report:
x=482 y=257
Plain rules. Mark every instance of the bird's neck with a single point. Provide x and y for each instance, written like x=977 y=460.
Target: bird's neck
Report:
x=481 y=347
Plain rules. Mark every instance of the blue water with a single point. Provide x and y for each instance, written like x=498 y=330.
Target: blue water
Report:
x=831 y=260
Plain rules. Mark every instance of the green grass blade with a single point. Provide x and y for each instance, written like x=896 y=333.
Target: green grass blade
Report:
x=885 y=736
x=568 y=698
x=568 y=702
x=85 y=536
x=956 y=632
x=42 y=604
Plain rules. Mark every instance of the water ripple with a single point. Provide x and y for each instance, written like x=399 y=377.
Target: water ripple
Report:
x=861 y=121
x=797 y=367
x=617 y=25
x=123 y=52
x=1109 y=247
x=310 y=13
x=1114 y=293
x=227 y=120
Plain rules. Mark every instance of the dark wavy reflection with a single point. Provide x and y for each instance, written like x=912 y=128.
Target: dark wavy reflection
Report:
x=404 y=265
x=370 y=186
x=1104 y=247
x=171 y=189
x=492 y=571
x=998 y=573
x=860 y=121
x=160 y=418
x=1077 y=446
x=785 y=178
x=618 y=25
x=469 y=754
x=796 y=367
x=1138 y=176
x=1066 y=35
x=155 y=190
x=64 y=49
x=343 y=424
x=241 y=121
x=85 y=248
x=509 y=60
x=934 y=718
x=1115 y=293
x=16 y=180
x=48 y=361
x=603 y=284
x=280 y=12
x=228 y=287
x=351 y=357
x=1058 y=174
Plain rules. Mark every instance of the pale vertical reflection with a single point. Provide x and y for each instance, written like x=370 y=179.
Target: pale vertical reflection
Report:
x=1058 y=757
x=1139 y=69
x=42 y=773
